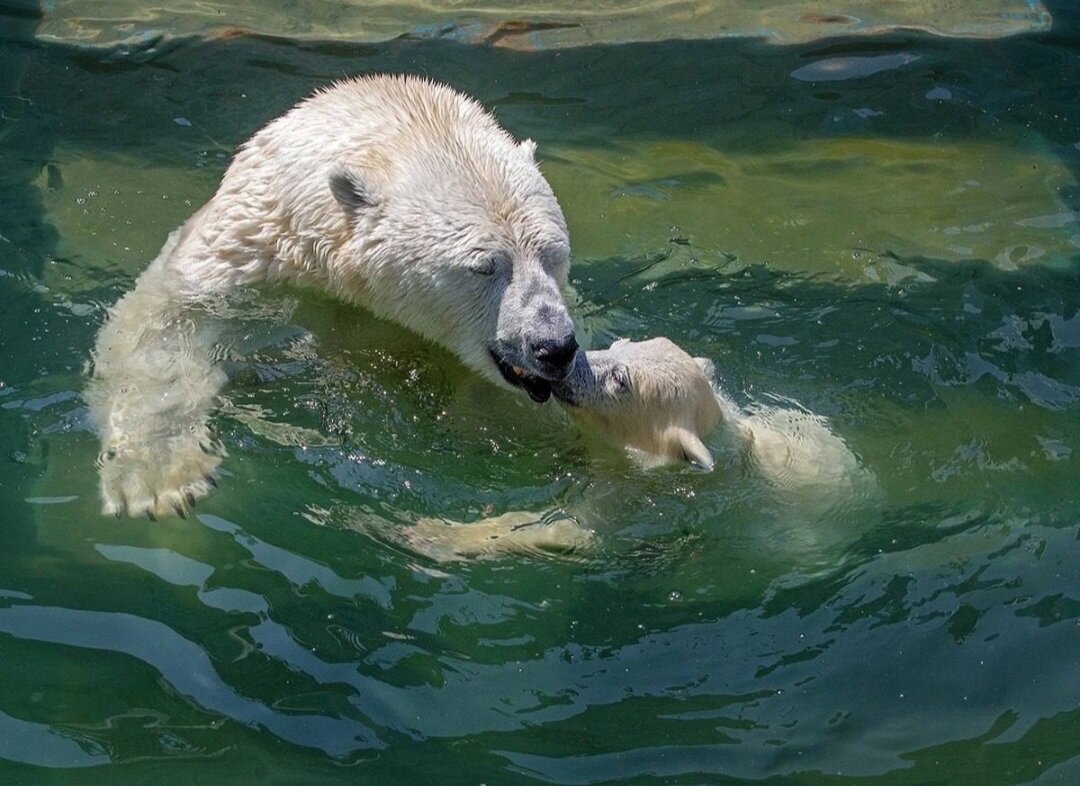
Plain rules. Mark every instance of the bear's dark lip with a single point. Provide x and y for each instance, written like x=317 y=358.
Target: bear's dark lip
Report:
x=538 y=388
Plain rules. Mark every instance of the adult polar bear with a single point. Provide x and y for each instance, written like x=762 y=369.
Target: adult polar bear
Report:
x=391 y=192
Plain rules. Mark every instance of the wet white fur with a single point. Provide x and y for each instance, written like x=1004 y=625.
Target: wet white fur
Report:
x=440 y=186
x=517 y=532
x=673 y=403
x=649 y=396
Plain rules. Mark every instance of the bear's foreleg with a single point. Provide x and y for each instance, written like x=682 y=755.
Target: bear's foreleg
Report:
x=150 y=395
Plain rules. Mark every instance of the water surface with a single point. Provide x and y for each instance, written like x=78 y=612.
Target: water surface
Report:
x=883 y=229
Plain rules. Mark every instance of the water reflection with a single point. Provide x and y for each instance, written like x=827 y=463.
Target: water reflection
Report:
x=186 y=667
x=536 y=25
x=835 y=69
x=780 y=676
x=42 y=746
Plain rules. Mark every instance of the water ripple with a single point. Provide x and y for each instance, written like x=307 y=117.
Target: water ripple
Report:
x=186 y=667
x=43 y=746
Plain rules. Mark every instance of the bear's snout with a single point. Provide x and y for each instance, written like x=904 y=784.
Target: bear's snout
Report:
x=555 y=354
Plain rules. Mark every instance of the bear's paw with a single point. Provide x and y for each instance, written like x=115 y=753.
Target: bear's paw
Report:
x=157 y=480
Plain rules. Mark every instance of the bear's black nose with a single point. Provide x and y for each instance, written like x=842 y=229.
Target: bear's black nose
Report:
x=556 y=353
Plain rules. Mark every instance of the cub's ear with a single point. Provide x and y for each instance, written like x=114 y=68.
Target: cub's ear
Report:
x=528 y=147
x=707 y=368
x=350 y=191
x=694 y=450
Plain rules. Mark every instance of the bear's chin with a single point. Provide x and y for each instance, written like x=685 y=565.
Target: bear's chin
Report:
x=538 y=388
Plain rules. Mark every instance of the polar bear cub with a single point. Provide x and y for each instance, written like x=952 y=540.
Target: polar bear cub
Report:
x=654 y=398
x=650 y=396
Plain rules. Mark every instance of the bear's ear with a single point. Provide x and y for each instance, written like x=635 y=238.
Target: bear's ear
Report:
x=528 y=147
x=694 y=450
x=350 y=191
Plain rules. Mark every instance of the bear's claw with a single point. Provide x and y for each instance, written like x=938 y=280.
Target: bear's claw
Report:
x=142 y=483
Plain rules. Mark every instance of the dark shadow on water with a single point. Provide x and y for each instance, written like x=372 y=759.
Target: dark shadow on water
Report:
x=26 y=143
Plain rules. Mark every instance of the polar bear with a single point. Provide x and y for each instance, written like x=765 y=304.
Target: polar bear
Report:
x=650 y=396
x=394 y=193
x=654 y=399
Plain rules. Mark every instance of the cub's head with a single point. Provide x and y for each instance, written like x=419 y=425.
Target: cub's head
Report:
x=454 y=233
x=648 y=395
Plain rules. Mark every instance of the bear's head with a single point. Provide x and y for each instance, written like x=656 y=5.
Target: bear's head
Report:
x=453 y=232
x=648 y=395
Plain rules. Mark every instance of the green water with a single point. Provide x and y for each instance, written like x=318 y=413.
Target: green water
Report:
x=884 y=229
